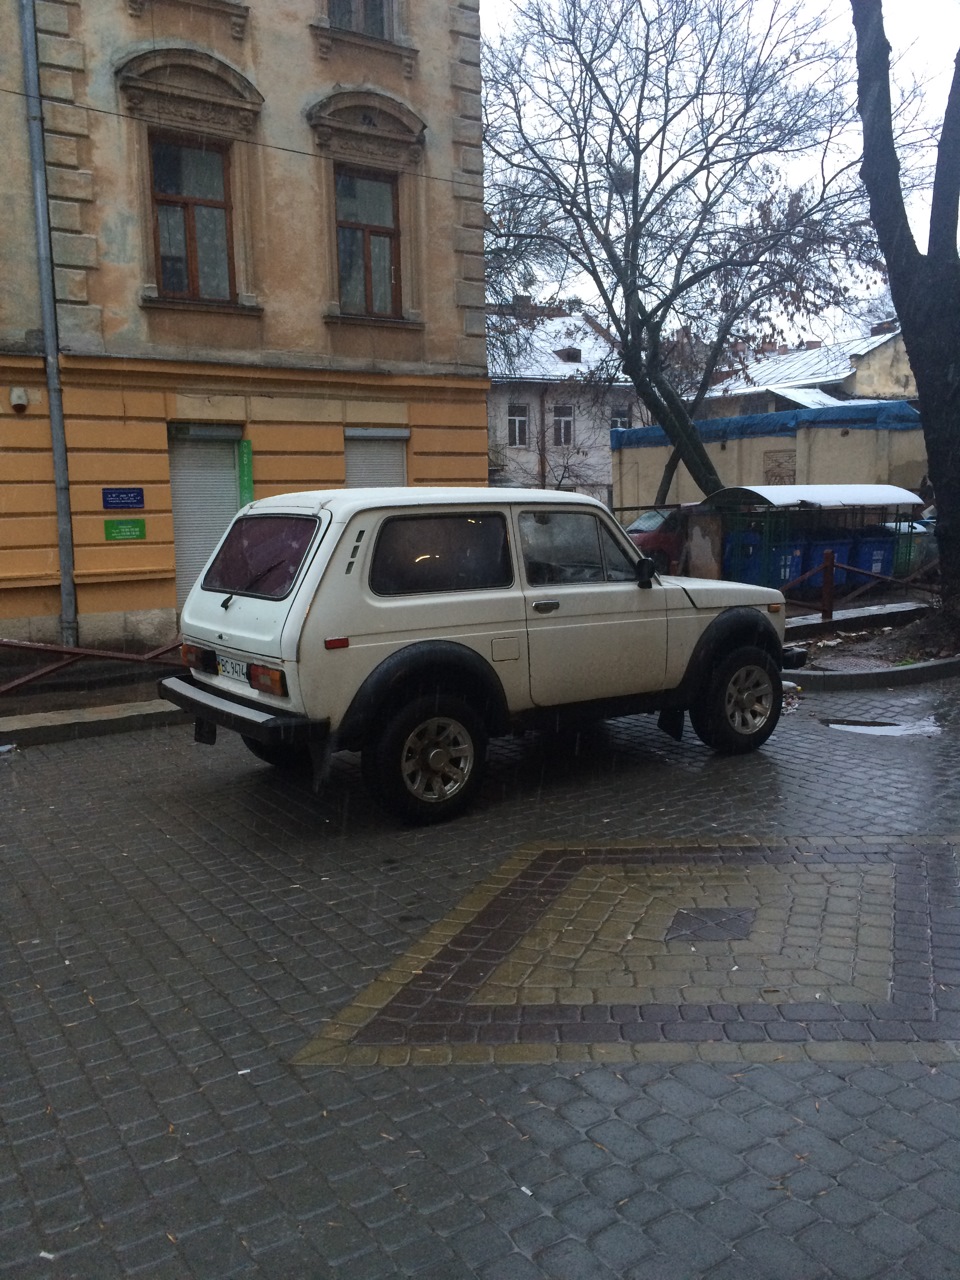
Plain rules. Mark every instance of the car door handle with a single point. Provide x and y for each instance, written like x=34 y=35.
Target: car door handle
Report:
x=546 y=606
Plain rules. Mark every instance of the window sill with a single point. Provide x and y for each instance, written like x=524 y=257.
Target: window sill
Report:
x=327 y=36
x=377 y=322
x=153 y=303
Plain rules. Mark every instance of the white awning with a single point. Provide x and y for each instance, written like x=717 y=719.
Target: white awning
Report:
x=814 y=495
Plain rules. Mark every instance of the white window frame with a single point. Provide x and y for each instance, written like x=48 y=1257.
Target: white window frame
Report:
x=563 y=426
x=518 y=426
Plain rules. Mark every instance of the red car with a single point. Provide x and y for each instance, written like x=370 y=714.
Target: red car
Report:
x=661 y=534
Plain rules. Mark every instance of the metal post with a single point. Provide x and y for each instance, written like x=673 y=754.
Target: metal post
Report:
x=48 y=310
x=827 y=597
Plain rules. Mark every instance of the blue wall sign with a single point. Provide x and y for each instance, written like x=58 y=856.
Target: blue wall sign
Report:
x=122 y=499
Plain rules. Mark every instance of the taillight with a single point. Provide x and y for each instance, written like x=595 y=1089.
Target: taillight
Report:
x=267 y=679
x=191 y=655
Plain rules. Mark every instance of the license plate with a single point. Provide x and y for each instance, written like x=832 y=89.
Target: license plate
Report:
x=231 y=668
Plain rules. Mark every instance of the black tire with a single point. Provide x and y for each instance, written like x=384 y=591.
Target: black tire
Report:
x=426 y=764
x=290 y=759
x=740 y=704
x=661 y=561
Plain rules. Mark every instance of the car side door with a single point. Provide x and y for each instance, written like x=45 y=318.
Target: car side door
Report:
x=593 y=632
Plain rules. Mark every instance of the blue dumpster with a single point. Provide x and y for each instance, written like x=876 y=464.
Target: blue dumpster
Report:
x=742 y=559
x=873 y=551
x=785 y=563
x=840 y=544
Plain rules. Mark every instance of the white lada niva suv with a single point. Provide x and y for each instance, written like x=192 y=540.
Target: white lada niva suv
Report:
x=412 y=625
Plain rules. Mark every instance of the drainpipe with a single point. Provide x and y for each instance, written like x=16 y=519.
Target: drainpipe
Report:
x=48 y=310
x=542 y=441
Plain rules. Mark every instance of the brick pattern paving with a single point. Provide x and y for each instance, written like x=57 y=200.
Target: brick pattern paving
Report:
x=582 y=948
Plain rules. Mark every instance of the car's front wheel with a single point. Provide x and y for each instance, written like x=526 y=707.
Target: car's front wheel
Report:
x=426 y=763
x=740 y=705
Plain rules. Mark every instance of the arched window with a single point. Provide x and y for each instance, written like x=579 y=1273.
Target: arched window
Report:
x=194 y=113
x=375 y=145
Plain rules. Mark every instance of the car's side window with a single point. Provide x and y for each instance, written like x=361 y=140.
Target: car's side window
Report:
x=619 y=566
x=462 y=552
x=570 y=547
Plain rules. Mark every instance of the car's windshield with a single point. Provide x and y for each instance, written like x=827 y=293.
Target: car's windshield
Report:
x=647 y=522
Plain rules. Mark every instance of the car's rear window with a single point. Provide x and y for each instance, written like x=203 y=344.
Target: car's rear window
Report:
x=462 y=552
x=261 y=556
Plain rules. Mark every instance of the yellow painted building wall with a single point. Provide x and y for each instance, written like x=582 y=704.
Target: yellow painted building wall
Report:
x=117 y=420
x=824 y=455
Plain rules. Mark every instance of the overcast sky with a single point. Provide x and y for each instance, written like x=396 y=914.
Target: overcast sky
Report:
x=924 y=33
x=928 y=31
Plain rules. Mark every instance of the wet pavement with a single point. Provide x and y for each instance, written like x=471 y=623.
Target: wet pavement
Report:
x=646 y=1012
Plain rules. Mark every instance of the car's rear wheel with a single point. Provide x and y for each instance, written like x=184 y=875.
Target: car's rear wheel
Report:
x=427 y=762
x=290 y=759
x=740 y=705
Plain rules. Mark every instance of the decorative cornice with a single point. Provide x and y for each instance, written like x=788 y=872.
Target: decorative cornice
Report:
x=177 y=109
x=189 y=89
x=236 y=14
x=367 y=126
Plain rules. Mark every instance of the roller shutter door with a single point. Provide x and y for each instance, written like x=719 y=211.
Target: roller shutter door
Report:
x=203 y=485
x=375 y=462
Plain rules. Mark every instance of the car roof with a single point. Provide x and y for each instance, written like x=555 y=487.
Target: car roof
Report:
x=344 y=503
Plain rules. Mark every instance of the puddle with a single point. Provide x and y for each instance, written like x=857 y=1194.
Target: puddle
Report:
x=888 y=729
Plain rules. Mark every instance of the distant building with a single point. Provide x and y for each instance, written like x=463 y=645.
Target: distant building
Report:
x=819 y=414
x=815 y=376
x=555 y=394
x=266 y=224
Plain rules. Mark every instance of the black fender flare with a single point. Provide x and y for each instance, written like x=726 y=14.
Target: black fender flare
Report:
x=418 y=668
x=732 y=629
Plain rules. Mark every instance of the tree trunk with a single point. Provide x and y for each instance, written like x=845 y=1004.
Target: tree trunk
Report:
x=929 y=310
x=925 y=287
x=666 y=480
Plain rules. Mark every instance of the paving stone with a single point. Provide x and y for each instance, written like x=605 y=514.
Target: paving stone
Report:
x=840 y=1251
x=776 y=1255
x=210 y=885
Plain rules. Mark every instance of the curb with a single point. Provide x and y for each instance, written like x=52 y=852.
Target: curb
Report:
x=811 y=681
x=93 y=722
x=87 y=722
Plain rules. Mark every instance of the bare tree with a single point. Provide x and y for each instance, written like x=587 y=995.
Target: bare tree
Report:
x=925 y=286
x=687 y=162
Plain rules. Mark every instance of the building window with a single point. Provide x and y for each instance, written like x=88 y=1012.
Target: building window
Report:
x=517 y=421
x=563 y=424
x=621 y=416
x=192 y=220
x=189 y=110
x=368 y=17
x=368 y=243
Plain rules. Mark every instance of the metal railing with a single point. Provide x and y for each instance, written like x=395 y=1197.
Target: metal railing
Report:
x=69 y=656
x=830 y=565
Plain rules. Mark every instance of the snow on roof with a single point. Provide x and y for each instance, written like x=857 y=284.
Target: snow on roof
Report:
x=815 y=495
x=530 y=351
x=830 y=363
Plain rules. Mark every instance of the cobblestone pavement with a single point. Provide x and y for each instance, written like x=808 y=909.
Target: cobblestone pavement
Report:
x=645 y=1013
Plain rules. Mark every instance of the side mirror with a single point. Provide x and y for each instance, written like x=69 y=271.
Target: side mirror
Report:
x=646 y=571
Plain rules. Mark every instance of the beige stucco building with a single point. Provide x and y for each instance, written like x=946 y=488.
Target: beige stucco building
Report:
x=822 y=414
x=266 y=228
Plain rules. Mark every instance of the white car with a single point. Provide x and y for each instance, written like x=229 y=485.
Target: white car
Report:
x=412 y=625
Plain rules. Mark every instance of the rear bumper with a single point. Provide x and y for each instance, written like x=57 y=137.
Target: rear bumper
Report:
x=269 y=727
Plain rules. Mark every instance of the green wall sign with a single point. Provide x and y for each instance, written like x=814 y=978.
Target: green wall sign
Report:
x=245 y=471
x=124 y=530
